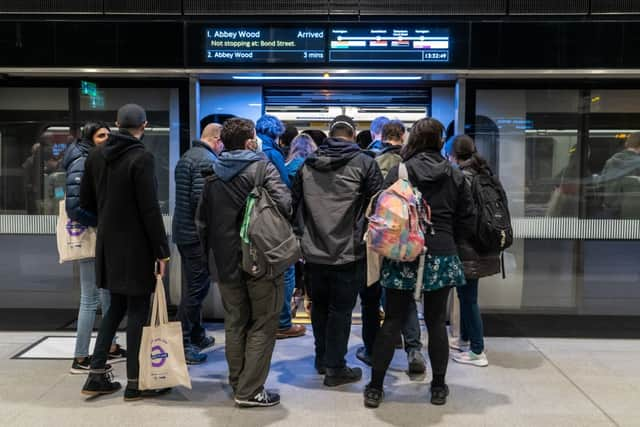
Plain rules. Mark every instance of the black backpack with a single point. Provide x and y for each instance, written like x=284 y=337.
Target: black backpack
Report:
x=493 y=228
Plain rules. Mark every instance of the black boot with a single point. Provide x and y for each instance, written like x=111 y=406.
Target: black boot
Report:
x=132 y=393
x=346 y=375
x=100 y=383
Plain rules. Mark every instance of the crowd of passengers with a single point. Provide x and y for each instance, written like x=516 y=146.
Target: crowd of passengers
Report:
x=324 y=186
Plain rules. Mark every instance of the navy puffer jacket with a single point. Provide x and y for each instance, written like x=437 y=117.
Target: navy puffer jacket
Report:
x=189 y=184
x=73 y=162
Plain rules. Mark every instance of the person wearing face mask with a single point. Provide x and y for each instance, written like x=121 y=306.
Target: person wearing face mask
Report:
x=93 y=134
x=120 y=186
x=196 y=280
x=251 y=306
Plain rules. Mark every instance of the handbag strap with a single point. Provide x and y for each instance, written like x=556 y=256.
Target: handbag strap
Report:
x=159 y=313
x=403 y=173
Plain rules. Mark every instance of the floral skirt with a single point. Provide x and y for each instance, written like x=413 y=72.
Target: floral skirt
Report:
x=439 y=272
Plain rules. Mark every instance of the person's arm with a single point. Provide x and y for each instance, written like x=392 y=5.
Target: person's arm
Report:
x=201 y=218
x=373 y=180
x=465 y=214
x=88 y=201
x=278 y=191
x=148 y=206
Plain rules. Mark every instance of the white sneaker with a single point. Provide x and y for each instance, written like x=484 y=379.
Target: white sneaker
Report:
x=458 y=344
x=470 y=358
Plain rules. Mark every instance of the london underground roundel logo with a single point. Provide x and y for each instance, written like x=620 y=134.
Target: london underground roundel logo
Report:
x=75 y=228
x=158 y=356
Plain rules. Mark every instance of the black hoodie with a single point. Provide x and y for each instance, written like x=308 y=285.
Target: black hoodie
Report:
x=448 y=195
x=331 y=193
x=119 y=184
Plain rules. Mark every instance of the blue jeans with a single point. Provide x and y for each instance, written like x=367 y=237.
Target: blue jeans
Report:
x=470 y=319
x=90 y=297
x=195 y=287
x=289 y=287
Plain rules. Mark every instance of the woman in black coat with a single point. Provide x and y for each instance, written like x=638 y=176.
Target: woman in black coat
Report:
x=470 y=346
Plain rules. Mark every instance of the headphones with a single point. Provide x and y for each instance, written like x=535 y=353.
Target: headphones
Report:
x=340 y=122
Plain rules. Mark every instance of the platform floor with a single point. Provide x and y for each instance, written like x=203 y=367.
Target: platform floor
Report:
x=530 y=382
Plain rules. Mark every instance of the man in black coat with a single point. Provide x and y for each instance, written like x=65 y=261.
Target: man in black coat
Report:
x=331 y=193
x=119 y=184
x=196 y=281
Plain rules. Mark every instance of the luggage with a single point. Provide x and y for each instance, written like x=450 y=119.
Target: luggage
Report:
x=494 y=233
x=75 y=241
x=269 y=245
x=161 y=357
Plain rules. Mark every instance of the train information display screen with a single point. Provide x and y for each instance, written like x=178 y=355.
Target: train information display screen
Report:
x=264 y=44
x=389 y=44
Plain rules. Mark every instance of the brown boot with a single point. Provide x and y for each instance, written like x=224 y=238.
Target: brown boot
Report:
x=293 y=332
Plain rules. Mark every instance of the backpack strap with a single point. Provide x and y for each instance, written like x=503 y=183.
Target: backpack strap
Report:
x=260 y=174
x=402 y=172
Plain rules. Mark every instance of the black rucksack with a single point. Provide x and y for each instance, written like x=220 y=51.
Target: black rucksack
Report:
x=493 y=230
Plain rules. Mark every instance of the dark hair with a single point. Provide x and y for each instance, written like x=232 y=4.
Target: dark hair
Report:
x=393 y=130
x=317 y=135
x=426 y=135
x=342 y=126
x=633 y=141
x=464 y=151
x=236 y=132
x=90 y=128
x=290 y=132
x=364 y=139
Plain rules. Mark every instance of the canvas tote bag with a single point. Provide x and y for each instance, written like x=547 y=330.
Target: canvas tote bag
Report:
x=161 y=357
x=75 y=241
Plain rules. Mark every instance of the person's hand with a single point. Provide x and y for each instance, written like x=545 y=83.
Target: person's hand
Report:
x=161 y=267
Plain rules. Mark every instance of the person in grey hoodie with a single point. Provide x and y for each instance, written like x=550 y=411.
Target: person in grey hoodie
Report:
x=331 y=193
x=621 y=180
x=251 y=306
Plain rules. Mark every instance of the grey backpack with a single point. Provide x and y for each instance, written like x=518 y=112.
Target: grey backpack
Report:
x=269 y=245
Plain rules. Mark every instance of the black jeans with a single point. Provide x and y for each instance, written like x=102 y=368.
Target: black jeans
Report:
x=195 y=287
x=334 y=291
x=137 y=310
x=397 y=307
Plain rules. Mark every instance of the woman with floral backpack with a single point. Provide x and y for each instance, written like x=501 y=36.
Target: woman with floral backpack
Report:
x=443 y=188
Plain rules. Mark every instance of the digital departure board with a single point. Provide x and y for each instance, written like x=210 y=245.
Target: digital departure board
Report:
x=389 y=44
x=264 y=44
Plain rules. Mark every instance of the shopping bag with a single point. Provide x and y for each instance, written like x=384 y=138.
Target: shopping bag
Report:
x=75 y=241
x=161 y=357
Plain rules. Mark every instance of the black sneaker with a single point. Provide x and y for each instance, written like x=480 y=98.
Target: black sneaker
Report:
x=118 y=354
x=84 y=367
x=439 y=395
x=417 y=364
x=262 y=399
x=363 y=356
x=99 y=384
x=346 y=375
x=133 y=394
x=372 y=397
x=205 y=343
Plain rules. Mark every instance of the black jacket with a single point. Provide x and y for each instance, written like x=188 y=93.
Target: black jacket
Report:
x=73 y=162
x=222 y=204
x=119 y=184
x=476 y=264
x=189 y=183
x=331 y=193
x=445 y=190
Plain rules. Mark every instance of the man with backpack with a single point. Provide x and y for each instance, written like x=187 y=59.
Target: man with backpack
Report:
x=251 y=304
x=331 y=193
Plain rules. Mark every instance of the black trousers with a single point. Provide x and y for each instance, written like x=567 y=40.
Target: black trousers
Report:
x=195 y=287
x=137 y=310
x=334 y=291
x=397 y=308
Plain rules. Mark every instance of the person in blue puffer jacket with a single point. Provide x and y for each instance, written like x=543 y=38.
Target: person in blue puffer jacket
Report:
x=269 y=129
x=93 y=133
x=189 y=179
